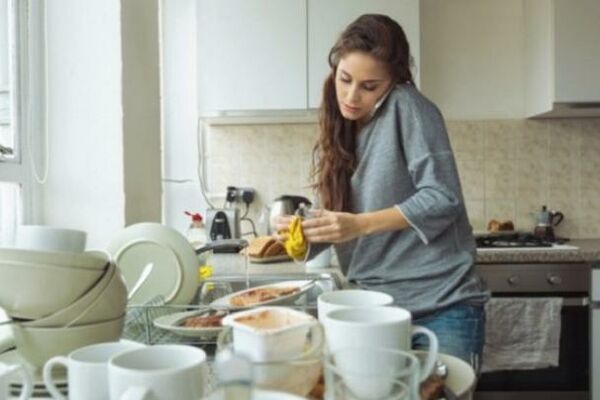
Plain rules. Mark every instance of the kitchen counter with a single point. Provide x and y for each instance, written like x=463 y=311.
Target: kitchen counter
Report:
x=588 y=251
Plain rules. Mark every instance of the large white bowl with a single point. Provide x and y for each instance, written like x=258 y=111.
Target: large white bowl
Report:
x=35 y=284
x=38 y=345
x=105 y=301
x=49 y=238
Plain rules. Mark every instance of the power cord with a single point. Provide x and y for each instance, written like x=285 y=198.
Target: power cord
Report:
x=247 y=219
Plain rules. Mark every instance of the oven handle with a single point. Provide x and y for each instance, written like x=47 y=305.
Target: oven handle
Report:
x=576 y=301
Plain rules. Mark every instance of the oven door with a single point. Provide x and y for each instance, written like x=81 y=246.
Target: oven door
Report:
x=570 y=380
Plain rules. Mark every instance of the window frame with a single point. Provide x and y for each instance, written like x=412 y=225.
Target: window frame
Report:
x=27 y=80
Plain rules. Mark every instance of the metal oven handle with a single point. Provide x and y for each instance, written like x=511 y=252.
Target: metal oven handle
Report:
x=576 y=301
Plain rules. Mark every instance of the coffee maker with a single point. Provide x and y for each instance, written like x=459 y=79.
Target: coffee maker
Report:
x=546 y=220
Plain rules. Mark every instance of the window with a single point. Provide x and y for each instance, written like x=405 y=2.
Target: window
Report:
x=21 y=24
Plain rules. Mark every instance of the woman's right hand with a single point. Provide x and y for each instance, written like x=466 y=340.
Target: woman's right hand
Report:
x=282 y=223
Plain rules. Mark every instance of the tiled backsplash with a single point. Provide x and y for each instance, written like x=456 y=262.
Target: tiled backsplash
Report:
x=508 y=168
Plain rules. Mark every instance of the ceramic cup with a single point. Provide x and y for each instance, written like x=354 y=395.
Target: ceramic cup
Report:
x=5 y=372
x=158 y=372
x=48 y=238
x=360 y=373
x=377 y=327
x=87 y=370
x=352 y=298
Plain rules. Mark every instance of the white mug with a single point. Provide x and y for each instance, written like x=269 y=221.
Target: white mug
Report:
x=87 y=370
x=351 y=298
x=377 y=327
x=5 y=372
x=48 y=238
x=158 y=372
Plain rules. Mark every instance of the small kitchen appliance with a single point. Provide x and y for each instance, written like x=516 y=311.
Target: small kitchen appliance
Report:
x=546 y=220
x=284 y=205
x=223 y=223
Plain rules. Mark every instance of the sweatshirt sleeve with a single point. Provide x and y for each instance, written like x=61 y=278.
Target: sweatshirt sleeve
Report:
x=437 y=200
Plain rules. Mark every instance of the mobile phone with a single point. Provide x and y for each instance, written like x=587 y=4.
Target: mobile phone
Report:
x=381 y=100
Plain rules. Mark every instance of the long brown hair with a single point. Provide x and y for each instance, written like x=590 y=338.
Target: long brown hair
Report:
x=334 y=159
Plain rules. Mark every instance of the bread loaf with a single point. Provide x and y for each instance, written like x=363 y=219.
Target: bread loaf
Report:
x=265 y=246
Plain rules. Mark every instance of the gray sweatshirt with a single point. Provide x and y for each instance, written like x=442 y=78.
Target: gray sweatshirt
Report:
x=405 y=161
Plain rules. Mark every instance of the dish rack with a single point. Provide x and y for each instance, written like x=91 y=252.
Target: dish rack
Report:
x=139 y=321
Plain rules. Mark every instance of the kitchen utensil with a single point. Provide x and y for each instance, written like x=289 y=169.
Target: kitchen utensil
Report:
x=173 y=323
x=38 y=345
x=296 y=376
x=459 y=379
x=370 y=373
x=175 y=271
x=283 y=205
x=546 y=220
x=350 y=298
x=302 y=285
x=26 y=385
x=47 y=281
x=48 y=238
x=86 y=370
x=160 y=371
x=387 y=327
x=143 y=276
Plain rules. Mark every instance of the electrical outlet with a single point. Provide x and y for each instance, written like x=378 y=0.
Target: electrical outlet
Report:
x=245 y=195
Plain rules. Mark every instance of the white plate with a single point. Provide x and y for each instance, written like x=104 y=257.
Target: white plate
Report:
x=175 y=272
x=172 y=322
x=304 y=285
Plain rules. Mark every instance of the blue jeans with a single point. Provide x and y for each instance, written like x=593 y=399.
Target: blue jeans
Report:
x=460 y=330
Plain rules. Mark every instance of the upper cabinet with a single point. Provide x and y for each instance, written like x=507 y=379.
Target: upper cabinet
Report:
x=272 y=54
x=562 y=58
x=328 y=18
x=251 y=54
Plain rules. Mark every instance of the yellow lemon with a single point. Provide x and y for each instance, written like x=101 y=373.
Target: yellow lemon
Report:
x=295 y=245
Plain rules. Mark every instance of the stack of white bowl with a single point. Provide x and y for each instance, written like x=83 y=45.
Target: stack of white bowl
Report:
x=60 y=300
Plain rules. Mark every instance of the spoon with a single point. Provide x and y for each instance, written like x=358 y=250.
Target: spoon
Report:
x=138 y=284
x=441 y=369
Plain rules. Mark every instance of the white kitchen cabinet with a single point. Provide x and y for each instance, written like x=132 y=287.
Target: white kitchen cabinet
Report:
x=327 y=19
x=272 y=54
x=251 y=54
x=562 y=57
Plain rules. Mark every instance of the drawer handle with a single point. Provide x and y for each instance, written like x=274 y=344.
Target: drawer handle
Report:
x=513 y=280
x=554 y=279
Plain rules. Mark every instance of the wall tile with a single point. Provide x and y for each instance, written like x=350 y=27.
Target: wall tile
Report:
x=508 y=168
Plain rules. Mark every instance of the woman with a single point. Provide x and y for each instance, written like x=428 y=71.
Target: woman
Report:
x=389 y=189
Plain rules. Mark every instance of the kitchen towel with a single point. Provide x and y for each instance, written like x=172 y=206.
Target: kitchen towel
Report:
x=521 y=333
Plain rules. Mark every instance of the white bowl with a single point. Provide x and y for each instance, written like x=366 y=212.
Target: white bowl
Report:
x=105 y=301
x=38 y=345
x=35 y=284
x=48 y=238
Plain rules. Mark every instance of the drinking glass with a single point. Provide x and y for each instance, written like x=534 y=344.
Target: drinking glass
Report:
x=211 y=291
x=360 y=373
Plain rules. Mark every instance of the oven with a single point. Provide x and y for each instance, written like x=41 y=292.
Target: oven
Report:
x=570 y=380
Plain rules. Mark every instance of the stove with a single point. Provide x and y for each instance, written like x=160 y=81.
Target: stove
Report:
x=516 y=240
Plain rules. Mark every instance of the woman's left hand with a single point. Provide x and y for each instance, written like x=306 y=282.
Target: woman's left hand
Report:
x=331 y=227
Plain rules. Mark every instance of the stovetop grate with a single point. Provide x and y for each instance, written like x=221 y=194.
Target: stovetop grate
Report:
x=516 y=239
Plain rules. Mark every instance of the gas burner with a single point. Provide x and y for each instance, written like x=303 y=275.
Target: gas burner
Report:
x=510 y=240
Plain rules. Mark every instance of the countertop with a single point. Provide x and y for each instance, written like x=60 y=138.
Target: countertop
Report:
x=588 y=251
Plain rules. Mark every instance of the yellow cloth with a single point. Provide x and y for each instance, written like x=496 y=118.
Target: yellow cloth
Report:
x=295 y=245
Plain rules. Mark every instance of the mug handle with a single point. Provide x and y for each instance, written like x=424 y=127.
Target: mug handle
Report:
x=318 y=342
x=427 y=369
x=47 y=374
x=135 y=393
x=27 y=387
